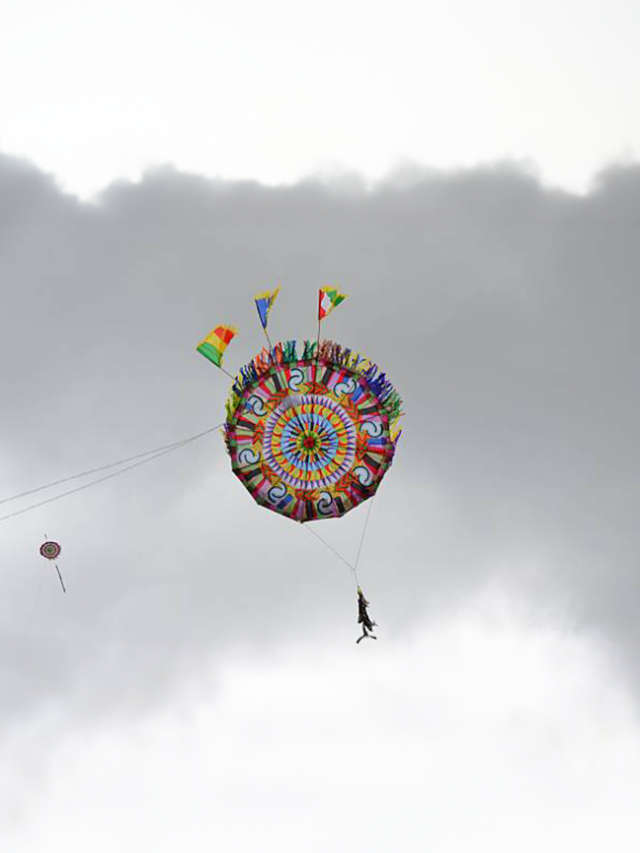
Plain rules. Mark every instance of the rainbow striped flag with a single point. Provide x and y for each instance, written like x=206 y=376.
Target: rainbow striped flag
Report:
x=328 y=299
x=216 y=342
x=264 y=301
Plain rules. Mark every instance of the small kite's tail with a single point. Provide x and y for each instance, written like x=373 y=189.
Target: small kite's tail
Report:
x=60 y=576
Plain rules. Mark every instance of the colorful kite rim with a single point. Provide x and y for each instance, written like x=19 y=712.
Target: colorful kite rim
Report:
x=311 y=437
x=50 y=550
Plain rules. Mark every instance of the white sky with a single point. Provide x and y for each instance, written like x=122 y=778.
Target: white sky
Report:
x=93 y=91
x=439 y=743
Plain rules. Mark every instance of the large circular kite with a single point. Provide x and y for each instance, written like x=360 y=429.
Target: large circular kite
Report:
x=311 y=434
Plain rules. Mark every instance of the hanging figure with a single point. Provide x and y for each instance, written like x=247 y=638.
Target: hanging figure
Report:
x=364 y=618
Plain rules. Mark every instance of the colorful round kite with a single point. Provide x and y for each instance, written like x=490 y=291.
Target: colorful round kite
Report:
x=50 y=550
x=311 y=433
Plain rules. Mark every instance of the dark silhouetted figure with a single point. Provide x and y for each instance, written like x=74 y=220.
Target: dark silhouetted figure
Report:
x=364 y=618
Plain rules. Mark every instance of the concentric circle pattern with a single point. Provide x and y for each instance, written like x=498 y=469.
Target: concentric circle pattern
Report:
x=50 y=550
x=309 y=439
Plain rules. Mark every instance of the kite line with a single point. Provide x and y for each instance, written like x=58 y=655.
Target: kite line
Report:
x=137 y=460
x=106 y=467
x=337 y=553
x=364 y=530
x=354 y=568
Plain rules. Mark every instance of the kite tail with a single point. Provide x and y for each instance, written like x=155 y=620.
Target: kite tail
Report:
x=60 y=577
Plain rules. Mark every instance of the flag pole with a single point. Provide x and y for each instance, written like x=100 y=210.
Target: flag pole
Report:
x=266 y=334
x=317 y=348
x=315 y=366
x=277 y=366
x=315 y=371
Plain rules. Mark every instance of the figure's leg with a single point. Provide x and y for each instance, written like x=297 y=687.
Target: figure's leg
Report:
x=365 y=633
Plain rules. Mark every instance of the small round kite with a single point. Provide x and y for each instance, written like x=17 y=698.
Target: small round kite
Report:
x=51 y=551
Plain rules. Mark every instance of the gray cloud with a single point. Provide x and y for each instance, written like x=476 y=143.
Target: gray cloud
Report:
x=505 y=314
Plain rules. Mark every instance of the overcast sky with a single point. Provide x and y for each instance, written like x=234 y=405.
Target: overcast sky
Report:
x=199 y=686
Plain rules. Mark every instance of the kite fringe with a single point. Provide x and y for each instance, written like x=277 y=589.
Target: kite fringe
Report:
x=329 y=353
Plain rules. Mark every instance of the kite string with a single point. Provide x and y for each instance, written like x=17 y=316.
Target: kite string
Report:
x=354 y=568
x=156 y=455
x=364 y=531
x=105 y=467
x=337 y=553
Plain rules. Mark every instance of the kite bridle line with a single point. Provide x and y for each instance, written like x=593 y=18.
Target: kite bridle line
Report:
x=106 y=467
x=354 y=570
x=149 y=456
x=364 y=531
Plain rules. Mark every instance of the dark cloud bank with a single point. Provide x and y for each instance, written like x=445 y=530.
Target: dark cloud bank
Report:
x=506 y=314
